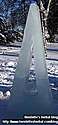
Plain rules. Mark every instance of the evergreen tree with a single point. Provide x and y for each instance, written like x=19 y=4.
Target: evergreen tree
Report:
x=52 y=19
x=14 y=14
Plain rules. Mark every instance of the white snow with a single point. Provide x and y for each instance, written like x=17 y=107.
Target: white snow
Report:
x=4 y=95
x=2 y=36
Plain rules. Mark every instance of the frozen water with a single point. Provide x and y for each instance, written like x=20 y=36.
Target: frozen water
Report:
x=36 y=70
x=30 y=89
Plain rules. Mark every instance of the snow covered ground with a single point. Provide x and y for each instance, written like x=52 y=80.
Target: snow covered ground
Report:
x=7 y=67
x=52 y=45
x=53 y=55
